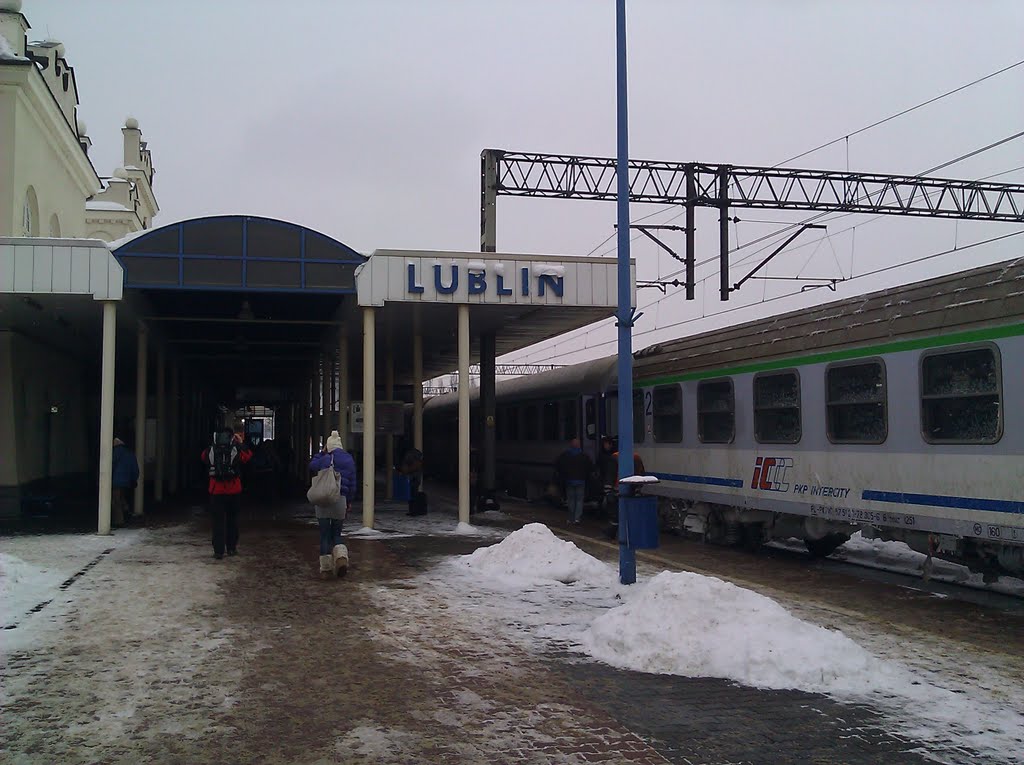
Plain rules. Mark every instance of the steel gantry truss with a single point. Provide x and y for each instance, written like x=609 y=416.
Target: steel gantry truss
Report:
x=697 y=184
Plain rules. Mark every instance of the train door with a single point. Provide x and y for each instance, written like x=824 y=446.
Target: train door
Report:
x=591 y=430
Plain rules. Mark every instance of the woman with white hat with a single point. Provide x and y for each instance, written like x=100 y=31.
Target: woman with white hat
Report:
x=330 y=514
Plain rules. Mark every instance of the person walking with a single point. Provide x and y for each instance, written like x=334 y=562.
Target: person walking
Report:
x=224 y=458
x=574 y=468
x=124 y=476
x=329 y=517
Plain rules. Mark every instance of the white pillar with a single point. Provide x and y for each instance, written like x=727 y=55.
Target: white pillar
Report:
x=369 y=412
x=325 y=396
x=314 y=402
x=174 y=423
x=107 y=414
x=463 y=413
x=389 y=442
x=142 y=358
x=161 y=423
x=417 y=389
x=343 y=390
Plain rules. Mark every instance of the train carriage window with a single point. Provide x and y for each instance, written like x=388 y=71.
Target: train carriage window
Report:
x=567 y=416
x=667 y=407
x=856 y=403
x=777 y=408
x=639 y=420
x=512 y=423
x=960 y=397
x=531 y=423
x=549 y=421
x=716 y=412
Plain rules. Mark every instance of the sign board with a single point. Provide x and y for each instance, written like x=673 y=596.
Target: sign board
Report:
x=389 y=420
x=420 y=276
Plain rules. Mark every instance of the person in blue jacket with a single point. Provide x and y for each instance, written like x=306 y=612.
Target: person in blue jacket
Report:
x=334 y=554
x=125 y=474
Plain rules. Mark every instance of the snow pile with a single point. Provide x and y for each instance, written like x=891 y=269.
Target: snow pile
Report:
x=533 y=553
x=699 y=626
x=23 y=586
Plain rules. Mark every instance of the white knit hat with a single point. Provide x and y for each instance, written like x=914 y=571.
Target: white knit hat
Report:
x=334 y=441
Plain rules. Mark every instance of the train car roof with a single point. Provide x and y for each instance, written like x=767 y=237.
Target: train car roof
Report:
x=586 y=377
x=985 y=296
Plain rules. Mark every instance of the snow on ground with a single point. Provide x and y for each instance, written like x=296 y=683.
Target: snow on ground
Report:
x=33 y=567
x=393 y=523
x=137 y=635
x=540 y=592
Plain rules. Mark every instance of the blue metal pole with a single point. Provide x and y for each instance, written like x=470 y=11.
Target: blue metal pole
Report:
x=627 y=556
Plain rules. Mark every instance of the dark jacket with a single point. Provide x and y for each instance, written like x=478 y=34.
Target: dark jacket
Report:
x=574 y=467
x=344 y=467
x=125 y=468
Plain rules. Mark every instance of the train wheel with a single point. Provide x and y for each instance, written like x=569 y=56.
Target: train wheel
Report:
x=828 y=544
x=753 y=536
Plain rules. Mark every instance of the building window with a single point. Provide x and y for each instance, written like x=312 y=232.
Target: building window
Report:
x=30 y=214
x=639 y=420
x=716 y=412
x=960 y=397
x=777 y=408
x=530 y=424
x=549 y=421
x=667 y=406
x=856 y=403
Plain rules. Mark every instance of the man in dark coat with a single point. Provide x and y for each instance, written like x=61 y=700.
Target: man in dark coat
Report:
x=125 y=474
x=574 y=469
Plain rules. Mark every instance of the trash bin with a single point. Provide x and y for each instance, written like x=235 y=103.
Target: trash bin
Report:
x=401 y=489
x=640 y=530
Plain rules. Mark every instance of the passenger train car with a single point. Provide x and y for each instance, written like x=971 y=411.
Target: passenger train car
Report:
x=899 y=413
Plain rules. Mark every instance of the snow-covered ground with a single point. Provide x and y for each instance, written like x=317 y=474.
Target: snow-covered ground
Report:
x=898 y=558
x=541 y=591
x=393 y=523
x=32 y=569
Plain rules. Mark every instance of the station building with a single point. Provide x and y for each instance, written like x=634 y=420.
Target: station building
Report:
x=110 y=326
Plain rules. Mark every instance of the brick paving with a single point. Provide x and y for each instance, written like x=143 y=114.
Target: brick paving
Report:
x=371 y=670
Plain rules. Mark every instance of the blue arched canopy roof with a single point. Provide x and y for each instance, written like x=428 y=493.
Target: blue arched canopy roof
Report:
x=238 y=253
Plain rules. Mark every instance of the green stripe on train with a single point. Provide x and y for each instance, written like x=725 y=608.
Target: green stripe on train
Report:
x=921 y=343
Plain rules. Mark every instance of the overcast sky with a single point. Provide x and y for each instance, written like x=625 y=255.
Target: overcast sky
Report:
x=364 y=119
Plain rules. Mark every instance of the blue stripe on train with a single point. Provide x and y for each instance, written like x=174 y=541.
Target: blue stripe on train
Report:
x=936 y=500
x=704 y=479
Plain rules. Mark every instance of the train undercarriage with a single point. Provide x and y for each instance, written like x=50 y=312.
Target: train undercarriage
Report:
x=751 y=529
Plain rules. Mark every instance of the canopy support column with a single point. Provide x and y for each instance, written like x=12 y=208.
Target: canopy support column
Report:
x=175 y=424
x=326 y=373
x=369 y=412
x=389 y=443
x=140 y=417
x=343 y=389
x=488 y=348
x=161 y=423
x=417 y=388
x=107 y=414
x=464 y=467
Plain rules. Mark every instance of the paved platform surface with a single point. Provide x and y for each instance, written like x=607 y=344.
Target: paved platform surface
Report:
x=158 y=653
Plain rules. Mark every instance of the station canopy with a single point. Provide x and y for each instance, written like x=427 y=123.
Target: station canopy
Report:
x=252 y=302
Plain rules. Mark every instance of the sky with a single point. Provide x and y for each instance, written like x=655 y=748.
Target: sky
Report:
x=364 y=119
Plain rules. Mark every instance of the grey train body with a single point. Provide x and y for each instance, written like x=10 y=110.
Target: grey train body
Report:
x=899 y=414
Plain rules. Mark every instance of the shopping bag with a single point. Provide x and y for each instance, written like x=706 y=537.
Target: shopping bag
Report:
x=324 y=490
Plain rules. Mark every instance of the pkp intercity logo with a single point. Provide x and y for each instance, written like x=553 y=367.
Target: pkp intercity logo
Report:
x=770 y=473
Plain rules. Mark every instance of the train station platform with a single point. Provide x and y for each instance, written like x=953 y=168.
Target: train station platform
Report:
x=143 y=648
